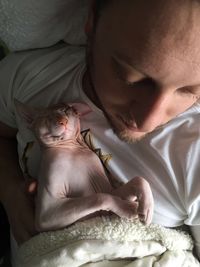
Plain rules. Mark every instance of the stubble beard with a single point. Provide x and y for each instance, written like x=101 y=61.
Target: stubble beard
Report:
x=124 y=136
x=89 y=88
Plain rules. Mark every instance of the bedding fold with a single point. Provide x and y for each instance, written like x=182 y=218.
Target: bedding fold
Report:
x=109 y=241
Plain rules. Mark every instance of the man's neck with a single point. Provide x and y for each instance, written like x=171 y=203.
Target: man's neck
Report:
x=89 y=90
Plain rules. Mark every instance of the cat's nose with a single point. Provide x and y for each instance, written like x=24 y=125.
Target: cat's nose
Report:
x=63 y=122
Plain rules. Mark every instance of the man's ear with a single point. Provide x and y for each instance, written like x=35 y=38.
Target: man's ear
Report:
x=89 y=25
x=26 y=113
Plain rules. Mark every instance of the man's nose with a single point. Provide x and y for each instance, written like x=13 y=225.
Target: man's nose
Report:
x=153 y=112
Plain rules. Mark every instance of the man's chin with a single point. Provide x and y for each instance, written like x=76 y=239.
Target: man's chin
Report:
x=124 y=133
x=129 y=136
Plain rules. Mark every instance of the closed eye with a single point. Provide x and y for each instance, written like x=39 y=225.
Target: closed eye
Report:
x=122 y=73
x=143 y=82
x=189 y=91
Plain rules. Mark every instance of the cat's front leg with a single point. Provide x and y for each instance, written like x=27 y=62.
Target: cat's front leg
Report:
x=139 y=191
x=54 y=213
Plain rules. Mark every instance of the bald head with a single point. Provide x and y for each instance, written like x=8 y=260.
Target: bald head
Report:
x=145 y=62
x=158 y=22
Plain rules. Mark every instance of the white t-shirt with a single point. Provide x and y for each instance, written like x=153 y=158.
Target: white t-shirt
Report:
x=168 y=158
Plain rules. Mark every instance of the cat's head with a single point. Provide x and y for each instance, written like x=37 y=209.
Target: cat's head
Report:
x=55 y=124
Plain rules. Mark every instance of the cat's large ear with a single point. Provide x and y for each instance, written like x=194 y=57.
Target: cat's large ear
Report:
x=26 y=113
x=81 y=108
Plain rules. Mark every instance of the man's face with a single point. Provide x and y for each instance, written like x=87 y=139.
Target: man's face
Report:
x=145 y=69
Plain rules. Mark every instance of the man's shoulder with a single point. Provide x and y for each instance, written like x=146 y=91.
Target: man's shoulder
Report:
x=30 y=72
x=43 y=57
x=38 y=77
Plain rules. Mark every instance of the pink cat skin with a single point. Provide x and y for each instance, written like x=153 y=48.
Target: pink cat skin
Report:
x=72 y=181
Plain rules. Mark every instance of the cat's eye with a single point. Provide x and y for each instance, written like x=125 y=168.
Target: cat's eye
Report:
x=65 y=110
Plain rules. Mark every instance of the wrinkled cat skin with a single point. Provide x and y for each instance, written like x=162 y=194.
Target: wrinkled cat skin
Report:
x=72 y=181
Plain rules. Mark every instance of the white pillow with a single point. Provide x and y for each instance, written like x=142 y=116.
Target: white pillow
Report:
x=27 y=24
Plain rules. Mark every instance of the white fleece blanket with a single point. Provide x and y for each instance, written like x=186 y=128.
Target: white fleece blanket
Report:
x=109 y=242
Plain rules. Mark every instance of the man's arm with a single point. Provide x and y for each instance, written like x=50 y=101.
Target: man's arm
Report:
x=12 y=193
x=195 y=230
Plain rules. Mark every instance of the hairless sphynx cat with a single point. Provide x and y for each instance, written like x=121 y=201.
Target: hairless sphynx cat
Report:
x=73 y=184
